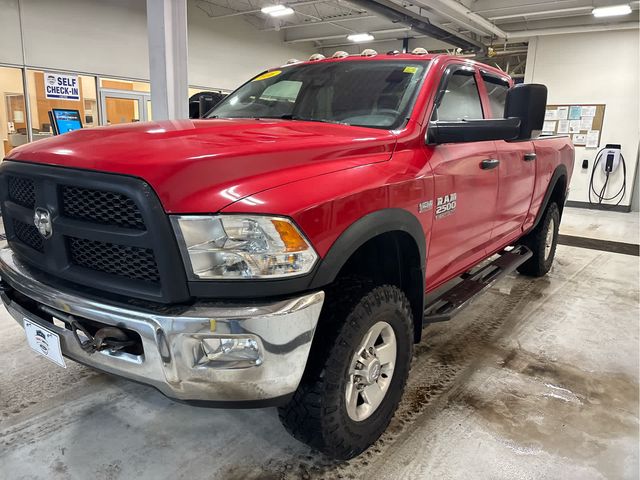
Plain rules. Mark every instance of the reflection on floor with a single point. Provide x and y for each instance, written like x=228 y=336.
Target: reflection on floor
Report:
x=602 y=225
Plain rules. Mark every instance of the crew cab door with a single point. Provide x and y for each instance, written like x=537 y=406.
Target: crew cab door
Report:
x=465 y=182
x=517 y=171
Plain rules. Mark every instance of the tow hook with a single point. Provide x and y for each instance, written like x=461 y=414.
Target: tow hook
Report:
x=106 y=338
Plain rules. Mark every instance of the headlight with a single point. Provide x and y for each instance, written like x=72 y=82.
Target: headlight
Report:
x=243 y=246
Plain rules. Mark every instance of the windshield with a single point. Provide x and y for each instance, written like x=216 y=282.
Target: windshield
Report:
x=377 y=94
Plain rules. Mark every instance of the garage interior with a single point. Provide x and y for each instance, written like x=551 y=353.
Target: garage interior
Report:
x=539 y=378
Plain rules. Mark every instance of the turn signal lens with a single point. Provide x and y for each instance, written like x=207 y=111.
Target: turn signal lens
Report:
x=293 y=241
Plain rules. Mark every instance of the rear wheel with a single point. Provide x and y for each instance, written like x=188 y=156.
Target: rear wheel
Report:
x=356 y=372
x=542 y=241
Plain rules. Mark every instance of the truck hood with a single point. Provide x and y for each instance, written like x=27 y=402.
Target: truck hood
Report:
x=201 y=166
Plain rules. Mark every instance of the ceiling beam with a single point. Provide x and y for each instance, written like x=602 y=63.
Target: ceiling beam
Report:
x=320 y=22
x=578 y=29
x=258 y=10
x=469 y=16
x=344 y=35
x=399 y=14
x=560 y=13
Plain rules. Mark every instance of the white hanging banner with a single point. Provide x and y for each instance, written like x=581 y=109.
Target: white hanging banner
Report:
x=61 y=86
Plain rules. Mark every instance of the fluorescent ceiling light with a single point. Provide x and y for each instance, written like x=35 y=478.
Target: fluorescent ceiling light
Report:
x=612 y=11
x=277 y=10
x=360 y=37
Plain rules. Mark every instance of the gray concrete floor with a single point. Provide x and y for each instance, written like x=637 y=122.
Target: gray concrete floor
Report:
x=538 y=379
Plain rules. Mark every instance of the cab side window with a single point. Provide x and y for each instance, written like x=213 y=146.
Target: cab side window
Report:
x=497 y=91
x=461 y=99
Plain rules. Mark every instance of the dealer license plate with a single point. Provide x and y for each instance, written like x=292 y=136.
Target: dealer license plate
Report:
x=44 y=342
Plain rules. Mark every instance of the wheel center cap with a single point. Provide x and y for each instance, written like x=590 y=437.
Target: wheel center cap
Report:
x=374 y=371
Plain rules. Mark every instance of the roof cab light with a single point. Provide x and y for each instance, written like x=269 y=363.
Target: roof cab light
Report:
x=340 y=54
x=277 y=10
x=369 y=52
x=360 y=37
x=612 y=11
x=419 y=51
x=316 y=56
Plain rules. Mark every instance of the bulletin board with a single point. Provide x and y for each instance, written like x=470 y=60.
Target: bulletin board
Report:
x=582 y=122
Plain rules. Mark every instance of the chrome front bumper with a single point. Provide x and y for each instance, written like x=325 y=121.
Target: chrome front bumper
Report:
x=177 y=354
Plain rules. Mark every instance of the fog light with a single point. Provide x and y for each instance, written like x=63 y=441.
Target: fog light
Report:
x=229 y=352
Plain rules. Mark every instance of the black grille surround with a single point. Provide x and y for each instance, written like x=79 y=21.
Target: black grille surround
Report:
x=110 y=232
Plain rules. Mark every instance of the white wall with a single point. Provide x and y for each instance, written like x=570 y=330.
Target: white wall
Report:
x=109 y=38
x=598 y=67
x=227 y=52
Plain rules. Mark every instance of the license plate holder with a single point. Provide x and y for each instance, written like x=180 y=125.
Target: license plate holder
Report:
x=44 y=342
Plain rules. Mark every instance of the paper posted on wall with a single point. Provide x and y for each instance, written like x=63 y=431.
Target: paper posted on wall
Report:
x=563 y=126
x=586 y=123
x=575 y=112
x=574 y=126
x=551 y=115
x=579 y=139
x=589 y=111
x=563 y=113
x=549 y=128
x=593 y=138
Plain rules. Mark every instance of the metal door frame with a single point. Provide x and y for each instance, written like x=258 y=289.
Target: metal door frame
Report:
x=141 y=97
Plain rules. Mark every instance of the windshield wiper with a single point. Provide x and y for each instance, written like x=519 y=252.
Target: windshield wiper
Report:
x=290 y=116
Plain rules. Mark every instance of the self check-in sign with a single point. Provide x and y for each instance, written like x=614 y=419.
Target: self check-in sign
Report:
x=61 y=86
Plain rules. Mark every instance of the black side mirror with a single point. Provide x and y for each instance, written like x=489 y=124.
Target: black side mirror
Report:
x=527 y=102
x=201 y=103
x=473 y=130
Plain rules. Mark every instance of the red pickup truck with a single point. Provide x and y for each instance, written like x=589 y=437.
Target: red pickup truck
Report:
x=288 y=249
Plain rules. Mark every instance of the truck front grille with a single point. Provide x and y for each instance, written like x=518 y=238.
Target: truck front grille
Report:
x=100 y=206
x=130 y=262
x=22 y=191
x=109 y=232
x=29 y=235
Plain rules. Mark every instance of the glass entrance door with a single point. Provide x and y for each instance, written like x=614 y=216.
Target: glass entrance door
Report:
x=124 y=107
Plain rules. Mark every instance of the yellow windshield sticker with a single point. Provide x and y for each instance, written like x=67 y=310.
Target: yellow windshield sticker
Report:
x=410 y=69
x=264 y=76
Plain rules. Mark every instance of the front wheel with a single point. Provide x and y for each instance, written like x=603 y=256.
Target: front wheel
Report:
x=542 y=241
x=352 y=386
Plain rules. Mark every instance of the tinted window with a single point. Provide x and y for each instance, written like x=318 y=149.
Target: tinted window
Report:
x=497 y=90
x=365 y=93
x=461 y=99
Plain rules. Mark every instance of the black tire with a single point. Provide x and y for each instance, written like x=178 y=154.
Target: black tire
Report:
x=317 y=414
x=540 y=263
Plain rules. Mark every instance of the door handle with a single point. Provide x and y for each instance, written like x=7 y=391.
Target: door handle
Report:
x=529 y=157
x=489 y=164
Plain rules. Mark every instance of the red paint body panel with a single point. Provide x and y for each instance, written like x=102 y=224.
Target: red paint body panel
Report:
x=200 y=166
x=326 y=176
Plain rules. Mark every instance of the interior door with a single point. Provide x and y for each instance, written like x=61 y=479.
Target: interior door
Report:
x=123 y=107
x=517 y=169
x=465 y=183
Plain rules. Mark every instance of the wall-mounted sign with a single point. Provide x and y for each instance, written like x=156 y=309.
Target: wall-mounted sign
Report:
x=61 y=86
